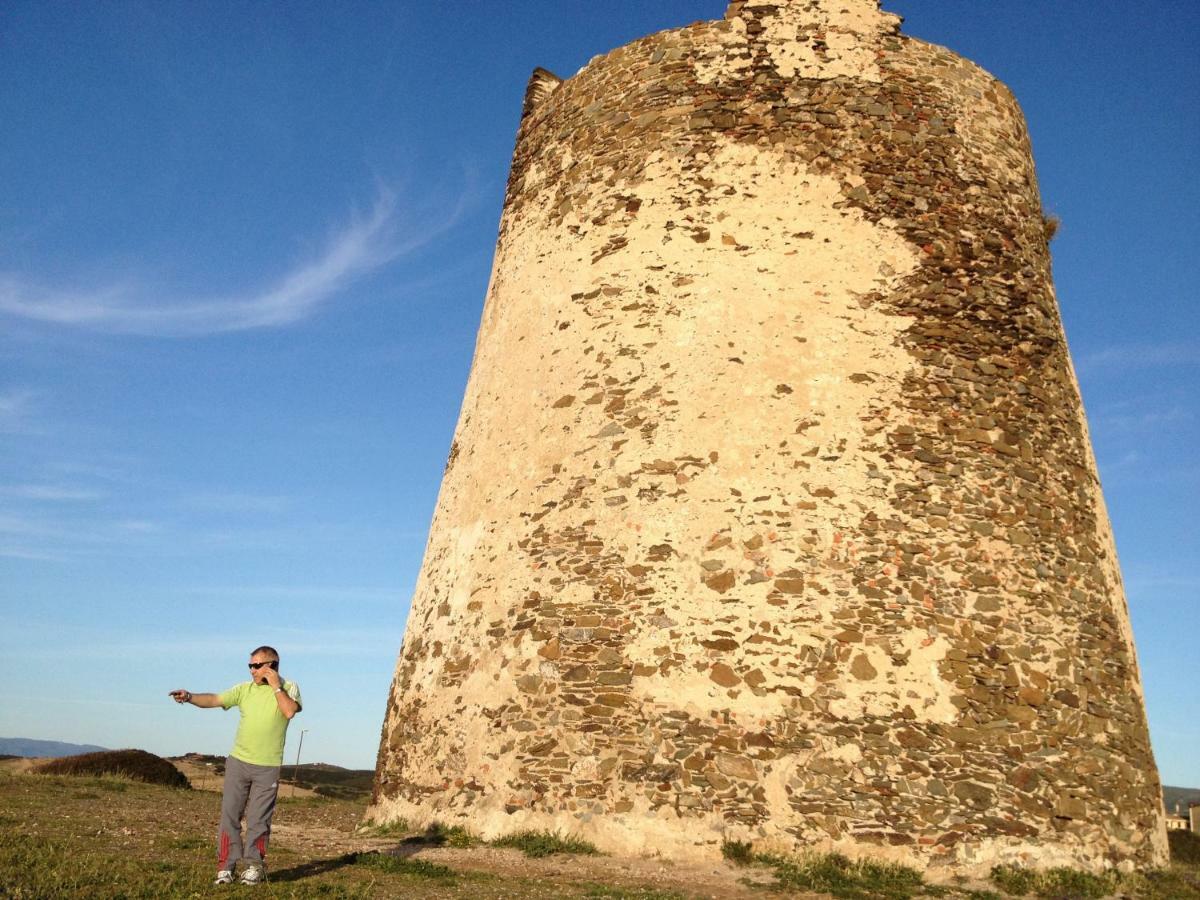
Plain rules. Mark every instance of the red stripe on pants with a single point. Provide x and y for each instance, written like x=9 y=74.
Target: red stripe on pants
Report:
x=223 y=854
x=261 y=844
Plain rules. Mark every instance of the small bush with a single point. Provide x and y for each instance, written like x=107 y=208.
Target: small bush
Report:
x=1076 y=883
x=394 y=828
x=537 y=844
x=1185 y=847
x=401 y=866
x=835 y=874
x=739 y=853
x=1013 y=879
x=446 y=836
x=1175 y=883
x=136 y=764
x=1057 y=882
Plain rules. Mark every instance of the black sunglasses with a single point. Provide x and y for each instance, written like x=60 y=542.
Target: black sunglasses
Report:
x=273 y=663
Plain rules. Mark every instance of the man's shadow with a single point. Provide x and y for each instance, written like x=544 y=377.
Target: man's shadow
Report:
x=404 y=849
x=316 y=867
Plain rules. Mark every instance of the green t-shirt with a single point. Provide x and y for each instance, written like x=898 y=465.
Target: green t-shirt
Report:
x=263 y=727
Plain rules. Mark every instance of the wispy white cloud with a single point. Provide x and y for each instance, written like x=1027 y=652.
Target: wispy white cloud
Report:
x=125 y=306
x=53 y=493
x=237 y=502
x=15 y=550
x=325 y=595
x=38 y=537
x=1153 y=581
x=16 y=410
x=1139 y=356
x=1127 y=461
x=1144 y=419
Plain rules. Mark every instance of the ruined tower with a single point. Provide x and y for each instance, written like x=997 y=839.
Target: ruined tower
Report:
x=771 y=512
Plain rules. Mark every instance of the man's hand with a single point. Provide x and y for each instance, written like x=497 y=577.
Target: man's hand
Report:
x=180 y=696
x=270 y=676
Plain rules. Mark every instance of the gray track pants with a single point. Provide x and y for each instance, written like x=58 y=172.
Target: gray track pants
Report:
x=249 y=790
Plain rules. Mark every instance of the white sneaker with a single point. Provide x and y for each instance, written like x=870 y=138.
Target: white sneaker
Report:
x=224 y=877
x=254 y=873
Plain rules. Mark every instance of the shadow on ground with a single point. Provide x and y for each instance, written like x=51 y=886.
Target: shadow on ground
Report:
x=403 y=850
x=316 y=867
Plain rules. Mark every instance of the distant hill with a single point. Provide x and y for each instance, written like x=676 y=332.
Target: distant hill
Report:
x=1182 y=796
x=30 y=747
x=136 y=764
x=325 y=779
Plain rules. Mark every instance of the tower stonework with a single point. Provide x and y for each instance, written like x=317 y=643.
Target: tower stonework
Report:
x=771 y=512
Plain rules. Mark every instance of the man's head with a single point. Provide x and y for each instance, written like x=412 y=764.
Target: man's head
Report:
x=261 y=659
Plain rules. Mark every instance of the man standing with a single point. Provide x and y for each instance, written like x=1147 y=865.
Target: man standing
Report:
x=267 y=703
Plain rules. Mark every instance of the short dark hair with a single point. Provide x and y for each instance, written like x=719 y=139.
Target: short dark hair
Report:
x=265 y=649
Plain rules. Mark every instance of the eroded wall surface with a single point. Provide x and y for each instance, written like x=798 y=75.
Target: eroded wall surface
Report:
x=771 y=513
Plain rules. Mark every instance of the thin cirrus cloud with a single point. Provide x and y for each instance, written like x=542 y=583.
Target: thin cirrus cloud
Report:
x=1119 y=359
x=52 y=493
x=368 y=243
x=16 y=408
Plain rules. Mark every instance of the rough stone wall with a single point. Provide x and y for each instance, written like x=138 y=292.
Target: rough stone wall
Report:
x=771 y=512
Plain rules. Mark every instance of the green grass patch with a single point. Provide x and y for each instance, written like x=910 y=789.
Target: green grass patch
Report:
x=1054 y=883
x=399 y=865
x=190 y=843
x=1014 y=879
x=837 y=875
x=1175 y=883
x=396 y=828
x=608 y=892
x=842 y=877
x=537 y=844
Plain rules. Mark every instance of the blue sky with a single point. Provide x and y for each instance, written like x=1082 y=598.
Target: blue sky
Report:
x=243 y=253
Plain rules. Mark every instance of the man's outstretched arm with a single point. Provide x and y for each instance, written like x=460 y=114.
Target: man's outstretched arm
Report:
x=204 y=701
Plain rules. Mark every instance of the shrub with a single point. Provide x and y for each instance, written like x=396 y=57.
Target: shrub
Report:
x=136 y=764
x=1185 y=847
x=439 y=835
x=1058 y=882
x=543 y=843
x=835 y=874
x=739 y=853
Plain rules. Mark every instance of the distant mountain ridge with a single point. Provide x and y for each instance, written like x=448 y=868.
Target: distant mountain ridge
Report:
x=32 y=747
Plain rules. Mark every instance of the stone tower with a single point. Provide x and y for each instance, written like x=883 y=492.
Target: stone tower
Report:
x=771 y=513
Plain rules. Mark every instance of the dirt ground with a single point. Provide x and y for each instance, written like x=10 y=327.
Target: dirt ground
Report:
x=314 y=842
x=329 y=829
x=718 y=880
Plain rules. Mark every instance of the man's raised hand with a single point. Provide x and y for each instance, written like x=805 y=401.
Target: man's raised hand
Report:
x=181 y=696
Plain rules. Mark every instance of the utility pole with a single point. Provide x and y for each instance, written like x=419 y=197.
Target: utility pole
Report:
x=296 y=765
